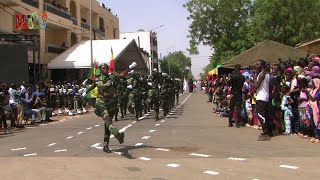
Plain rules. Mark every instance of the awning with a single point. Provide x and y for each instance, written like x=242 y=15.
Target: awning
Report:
x=267 y=50
x=78 y=56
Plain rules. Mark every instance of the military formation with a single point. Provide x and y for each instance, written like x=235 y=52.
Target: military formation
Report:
x=68 y=97
x=139 y=94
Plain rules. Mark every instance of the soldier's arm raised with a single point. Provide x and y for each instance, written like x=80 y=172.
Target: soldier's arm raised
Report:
x=125 y=72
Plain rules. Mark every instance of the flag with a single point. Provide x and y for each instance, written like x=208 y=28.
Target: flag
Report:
x=94 y=71
x=111 y=66
x=218 y=66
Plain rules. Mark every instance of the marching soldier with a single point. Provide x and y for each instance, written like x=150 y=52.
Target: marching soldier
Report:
x=104 y=101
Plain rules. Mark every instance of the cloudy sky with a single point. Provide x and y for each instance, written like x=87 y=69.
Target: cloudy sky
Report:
x=148 y=14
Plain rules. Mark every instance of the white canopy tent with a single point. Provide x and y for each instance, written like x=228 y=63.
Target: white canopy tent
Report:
x=78 y=56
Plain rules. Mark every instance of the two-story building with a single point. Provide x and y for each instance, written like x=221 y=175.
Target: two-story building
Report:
x=68 y=22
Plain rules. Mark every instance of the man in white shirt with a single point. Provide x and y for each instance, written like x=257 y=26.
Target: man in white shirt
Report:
x=262 y=83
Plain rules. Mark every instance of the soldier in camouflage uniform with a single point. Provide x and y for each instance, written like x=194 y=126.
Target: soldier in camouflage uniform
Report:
x=123 y=101
x=135 y=100
x=153 y=93
x=165 y=94
x=70 y=98
x=104 y=101
x=144 y=93
x=177 y=90
x=52 y=96
x=116 y=104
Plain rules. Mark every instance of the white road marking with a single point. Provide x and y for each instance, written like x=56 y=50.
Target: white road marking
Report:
x=171 y=113
x=141 y=118
x=61 y=150
x=33 y=154
x=255 y=179
x=236 y=159
x=97 y=125
x=99 y=147
x=163 y=121
x=89 y=128
x=200 y=155
x=139 y=144
x=173 y=165
x=52 y=144
x=184 y=101
x=144 y=158
x=69 y=137
x=162 y=149
x=134 y=122
x=152 y=130
x=95 y=145
x=145 y=137
x=18 y=149
x=77 y=116
x=211 y=173
x=79 y=132
x=157 y=125
x=289 y=167
x=118 y=153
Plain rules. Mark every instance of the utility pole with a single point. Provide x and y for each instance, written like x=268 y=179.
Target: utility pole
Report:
x=91 y=48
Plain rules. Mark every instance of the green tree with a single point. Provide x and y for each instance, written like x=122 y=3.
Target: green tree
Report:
x=179 y=65
x=286 y=21
x=221 y=24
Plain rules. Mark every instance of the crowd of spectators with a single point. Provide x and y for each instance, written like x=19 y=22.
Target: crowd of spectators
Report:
x=24 y=104
x=279 y=99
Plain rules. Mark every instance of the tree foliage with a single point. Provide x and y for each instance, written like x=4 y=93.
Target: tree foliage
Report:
x=230 y=27
x=179 y=65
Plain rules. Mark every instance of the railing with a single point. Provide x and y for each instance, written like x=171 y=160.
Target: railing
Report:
x=85 y=25
x=55 y=49
x=33 y=3
x=55 y=10
x=74 y=20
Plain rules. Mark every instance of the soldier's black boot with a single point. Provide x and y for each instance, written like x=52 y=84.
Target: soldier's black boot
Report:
x=141 y=113
x=137 y=116
x=120 y=137
x=122 y=114
x=106 y=149
x=116 y=117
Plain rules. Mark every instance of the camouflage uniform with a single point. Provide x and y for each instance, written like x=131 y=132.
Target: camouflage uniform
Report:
x=165 y=95
x=135 y=100
x=52 y=96
x=124 y=97
x=104 y=109
x=144 y=93
x=176 y=90
x=153 y=93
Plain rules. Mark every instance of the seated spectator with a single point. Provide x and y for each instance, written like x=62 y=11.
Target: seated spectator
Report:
x=28 y=103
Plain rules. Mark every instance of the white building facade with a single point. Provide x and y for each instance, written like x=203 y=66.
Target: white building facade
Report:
x=146 y=40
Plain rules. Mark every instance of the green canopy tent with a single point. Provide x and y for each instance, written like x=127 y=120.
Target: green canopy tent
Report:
x=267 y=50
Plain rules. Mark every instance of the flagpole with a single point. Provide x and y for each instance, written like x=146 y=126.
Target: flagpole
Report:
x=91 y=49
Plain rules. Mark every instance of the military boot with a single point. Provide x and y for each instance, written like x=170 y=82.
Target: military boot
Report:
x=106 y=149
x=120 y=137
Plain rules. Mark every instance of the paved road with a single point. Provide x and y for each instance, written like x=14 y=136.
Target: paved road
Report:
x=192 y=143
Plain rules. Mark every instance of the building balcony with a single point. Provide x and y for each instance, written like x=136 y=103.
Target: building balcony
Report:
x=85 y=25
x=101 y=33
x=55 y=49
x=57 y=11
x=33 y=3
x=74 y=20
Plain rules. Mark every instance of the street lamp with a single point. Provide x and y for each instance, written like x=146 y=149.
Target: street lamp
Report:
x=168 y=59
x=152 y=55
x=156 y=28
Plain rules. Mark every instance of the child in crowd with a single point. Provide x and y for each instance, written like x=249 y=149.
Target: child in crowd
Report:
x=304 y=109
x=286 y=108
